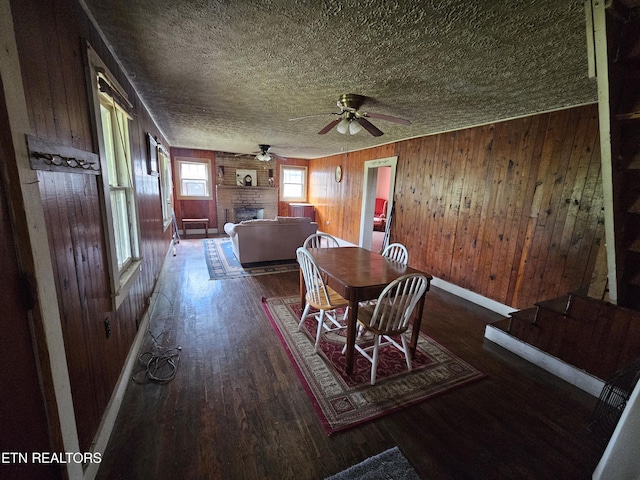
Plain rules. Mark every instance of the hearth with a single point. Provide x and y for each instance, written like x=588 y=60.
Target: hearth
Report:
x=247 y=213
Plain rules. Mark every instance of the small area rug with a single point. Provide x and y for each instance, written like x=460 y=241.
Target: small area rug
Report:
x=222 y=262
x=390 y=464
x=343 y=401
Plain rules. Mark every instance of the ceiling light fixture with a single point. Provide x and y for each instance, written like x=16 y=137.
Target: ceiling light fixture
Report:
x=263 y=156
x=349 y=125
x=343 y=126
x=354 y=127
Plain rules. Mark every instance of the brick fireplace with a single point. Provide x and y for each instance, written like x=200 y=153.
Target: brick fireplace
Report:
x=231 y=198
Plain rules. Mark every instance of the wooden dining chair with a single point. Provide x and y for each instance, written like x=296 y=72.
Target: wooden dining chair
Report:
x=319 y=295
x=390 y=317
x=396 y=252
x=320 y=240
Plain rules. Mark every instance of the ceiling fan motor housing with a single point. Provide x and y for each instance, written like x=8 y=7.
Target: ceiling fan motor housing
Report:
x=351 y=101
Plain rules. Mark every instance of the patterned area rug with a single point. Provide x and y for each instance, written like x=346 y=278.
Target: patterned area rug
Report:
x=343 y=401
x=390 y=464
x=222 y=262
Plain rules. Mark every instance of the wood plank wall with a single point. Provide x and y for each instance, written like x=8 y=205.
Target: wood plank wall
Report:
x=50 y=35
x=511 y=210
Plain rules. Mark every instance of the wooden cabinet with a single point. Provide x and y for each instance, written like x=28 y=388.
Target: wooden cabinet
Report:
x=302 y=210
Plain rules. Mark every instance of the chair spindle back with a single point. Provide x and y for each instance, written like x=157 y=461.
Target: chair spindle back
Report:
x=396 y=252
x=320 y=240
x=396 y=303
x=314 y=283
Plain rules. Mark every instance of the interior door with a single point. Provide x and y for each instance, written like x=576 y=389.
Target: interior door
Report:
x=369 y=196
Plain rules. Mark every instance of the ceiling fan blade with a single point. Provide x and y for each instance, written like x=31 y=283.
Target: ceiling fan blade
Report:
x=369 y=127
x=388 y=118
x=313 y=115
x=329 y=126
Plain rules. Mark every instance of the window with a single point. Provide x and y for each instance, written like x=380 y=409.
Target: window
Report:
x=119 y=206
x=194 y=178
x=293 y=183
x=115 y=133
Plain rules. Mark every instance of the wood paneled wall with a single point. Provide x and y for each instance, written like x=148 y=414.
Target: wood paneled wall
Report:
x=511 y=210
x=50 y=37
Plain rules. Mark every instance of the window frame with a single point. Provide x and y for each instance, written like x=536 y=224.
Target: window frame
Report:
x=121 y=277
x=166 y=186
x=305 y=182
x=205 y=161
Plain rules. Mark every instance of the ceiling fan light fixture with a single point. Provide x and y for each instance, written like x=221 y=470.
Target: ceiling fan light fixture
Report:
x=343 y=126
x=351 y=121
x=354 y=127
x=263 y=157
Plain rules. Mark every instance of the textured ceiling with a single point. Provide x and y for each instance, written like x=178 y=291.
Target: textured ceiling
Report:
x=227 y=76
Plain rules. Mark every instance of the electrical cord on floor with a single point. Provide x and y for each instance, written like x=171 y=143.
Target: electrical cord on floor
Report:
x=159 y=365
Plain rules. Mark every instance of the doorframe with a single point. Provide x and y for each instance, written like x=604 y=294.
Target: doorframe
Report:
x=369 y=196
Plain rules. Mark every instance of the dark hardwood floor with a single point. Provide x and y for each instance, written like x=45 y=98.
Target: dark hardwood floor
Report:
x=236 y=408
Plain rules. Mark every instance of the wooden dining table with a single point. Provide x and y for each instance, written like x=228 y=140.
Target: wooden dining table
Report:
x=358 y=275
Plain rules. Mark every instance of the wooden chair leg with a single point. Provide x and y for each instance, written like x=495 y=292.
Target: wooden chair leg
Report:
x=407 y=354
x=319 y=332
x=305 y=312
x=374 y=363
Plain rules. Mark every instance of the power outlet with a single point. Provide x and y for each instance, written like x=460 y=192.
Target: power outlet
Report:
x=107 y=326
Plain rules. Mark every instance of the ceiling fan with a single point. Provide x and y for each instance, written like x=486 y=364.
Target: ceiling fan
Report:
x=265 y=155
x=351 y=121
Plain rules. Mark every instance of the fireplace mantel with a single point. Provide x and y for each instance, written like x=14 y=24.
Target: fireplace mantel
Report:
x=229 y=197
x=235 y=187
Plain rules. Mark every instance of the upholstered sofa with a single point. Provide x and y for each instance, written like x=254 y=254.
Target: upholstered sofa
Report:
x=269 y=240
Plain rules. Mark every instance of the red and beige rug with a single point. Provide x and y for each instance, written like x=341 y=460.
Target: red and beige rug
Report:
x=343 y=401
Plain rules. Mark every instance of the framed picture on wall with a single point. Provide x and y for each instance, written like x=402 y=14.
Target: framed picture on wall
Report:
x=246 y=178
x=152 y=156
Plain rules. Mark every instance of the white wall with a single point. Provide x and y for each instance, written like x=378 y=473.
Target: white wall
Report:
x=620 y=460
x=384 y=179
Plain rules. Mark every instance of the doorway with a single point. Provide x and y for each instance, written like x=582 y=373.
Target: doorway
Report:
x=379 y=182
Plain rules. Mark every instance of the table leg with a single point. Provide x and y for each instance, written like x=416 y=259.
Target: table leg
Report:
x=351 y=335
x=416 y=327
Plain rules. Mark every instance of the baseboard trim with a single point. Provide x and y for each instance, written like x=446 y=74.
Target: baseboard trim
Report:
x=111 y=412
x=473 y=297
x=579 y=378
x=197 y=231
